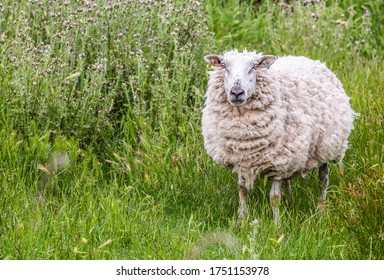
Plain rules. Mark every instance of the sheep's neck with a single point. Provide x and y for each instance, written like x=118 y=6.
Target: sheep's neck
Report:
x=241 y=111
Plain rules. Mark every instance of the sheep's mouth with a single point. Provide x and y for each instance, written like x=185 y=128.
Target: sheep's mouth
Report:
x=236 y=101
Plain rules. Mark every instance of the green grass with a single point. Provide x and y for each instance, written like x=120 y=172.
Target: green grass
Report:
x=101 y=153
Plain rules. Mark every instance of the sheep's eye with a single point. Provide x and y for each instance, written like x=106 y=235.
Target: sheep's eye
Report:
x=254 y=67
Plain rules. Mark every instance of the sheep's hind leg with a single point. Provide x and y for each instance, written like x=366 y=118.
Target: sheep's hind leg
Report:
x=324 y=180
x=275 y=198
x=287 y=191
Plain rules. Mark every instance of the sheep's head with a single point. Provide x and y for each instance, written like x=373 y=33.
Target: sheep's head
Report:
x=239 y=72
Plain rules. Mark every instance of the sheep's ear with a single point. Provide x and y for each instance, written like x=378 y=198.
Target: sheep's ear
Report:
x=214 y=60
x=266 y=61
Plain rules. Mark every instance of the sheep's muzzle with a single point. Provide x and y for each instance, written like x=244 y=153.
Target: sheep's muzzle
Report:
x=237 y=95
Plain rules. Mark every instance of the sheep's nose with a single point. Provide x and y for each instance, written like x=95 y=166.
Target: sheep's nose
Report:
x=237 y=91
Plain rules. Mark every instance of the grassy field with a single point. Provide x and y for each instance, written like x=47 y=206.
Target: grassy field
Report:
x=101 y=153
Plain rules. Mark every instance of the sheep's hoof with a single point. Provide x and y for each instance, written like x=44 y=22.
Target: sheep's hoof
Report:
x=321 y=206
x=243 y=213
x=242 y=218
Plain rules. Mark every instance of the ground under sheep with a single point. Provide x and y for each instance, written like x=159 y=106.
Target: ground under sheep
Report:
x=278 y=117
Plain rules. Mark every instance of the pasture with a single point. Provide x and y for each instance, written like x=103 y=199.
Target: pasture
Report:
x=101 y=152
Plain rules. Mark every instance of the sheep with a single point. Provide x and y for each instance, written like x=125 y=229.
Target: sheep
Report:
x=274 y=117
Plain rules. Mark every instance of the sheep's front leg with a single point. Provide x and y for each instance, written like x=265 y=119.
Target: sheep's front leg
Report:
x=244 y=185
x=275 y=198
x=324 y=180
x=243 y=201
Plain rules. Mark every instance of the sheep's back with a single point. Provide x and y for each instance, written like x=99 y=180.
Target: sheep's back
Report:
x=320 y=118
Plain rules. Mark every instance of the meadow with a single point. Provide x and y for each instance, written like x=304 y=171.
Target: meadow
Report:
x=101 y=152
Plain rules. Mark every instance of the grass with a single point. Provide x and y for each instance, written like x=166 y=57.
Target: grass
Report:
x=101 y=153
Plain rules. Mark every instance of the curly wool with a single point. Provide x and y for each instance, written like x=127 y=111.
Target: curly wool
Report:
x=298 y=118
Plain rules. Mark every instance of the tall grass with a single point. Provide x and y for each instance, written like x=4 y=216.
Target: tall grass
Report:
x=101 y=154
x=79 y=68
x=310 y=27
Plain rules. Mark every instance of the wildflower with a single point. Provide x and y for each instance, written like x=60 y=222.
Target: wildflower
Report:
x=255 y=222
x=209 y=67
x=341 y=22
x=3 y=38
x=315 y=15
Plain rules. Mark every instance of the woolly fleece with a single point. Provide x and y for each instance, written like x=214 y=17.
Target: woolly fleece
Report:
x=298 y=118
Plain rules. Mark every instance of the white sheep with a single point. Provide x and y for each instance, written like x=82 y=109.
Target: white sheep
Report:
x=279 y=120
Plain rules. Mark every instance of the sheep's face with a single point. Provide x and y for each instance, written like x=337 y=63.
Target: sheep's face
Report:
x=239 y=72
